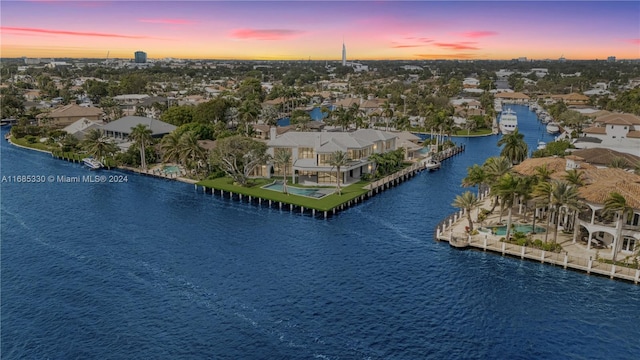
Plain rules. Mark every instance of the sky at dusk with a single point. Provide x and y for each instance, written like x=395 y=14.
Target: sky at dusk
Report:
x=292 y=30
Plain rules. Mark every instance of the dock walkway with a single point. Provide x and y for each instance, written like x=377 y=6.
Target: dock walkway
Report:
x=574 y=256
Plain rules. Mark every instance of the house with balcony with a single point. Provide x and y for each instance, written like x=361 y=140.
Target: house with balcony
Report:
x=616 y=131
x=595 y=229
x=311 y=154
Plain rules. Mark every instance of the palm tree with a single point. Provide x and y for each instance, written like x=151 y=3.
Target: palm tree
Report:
x=170 y=146
x=467 y=201
x=543 y=173
x=507 y=189
x=515 y=148
x=495 y=168
x=564 y=196
x=141 y=135
x=98 y=146
x=476 y=176
x=543 y=193
x=338 y=160
x=387 y=112
x=282 y=159
x=574 y=177
x=617 y=204
x=192 y=154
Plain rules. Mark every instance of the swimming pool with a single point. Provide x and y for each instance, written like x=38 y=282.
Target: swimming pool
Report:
x=171 y=169
x=315 y=193
x=502 y=230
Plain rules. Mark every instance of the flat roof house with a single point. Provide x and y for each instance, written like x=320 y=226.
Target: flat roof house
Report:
x=311 y=154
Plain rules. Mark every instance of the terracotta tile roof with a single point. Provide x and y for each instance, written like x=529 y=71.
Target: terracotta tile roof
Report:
x=575 y=97
x=604 y=156
x=599 y=182
x=602 y=182
x=630 y=119
x=633 y=134
x=72 y=110
x=513 y=95
x=595 y=130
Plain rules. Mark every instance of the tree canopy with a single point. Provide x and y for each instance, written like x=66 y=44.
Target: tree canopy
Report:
x=239 y=156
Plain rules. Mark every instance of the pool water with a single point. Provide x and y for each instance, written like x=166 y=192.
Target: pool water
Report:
x=308 y=192
x=502 y=230
x=171 y=169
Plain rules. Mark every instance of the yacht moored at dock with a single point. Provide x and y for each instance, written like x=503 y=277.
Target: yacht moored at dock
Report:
x=553 y=128
x=508 y=121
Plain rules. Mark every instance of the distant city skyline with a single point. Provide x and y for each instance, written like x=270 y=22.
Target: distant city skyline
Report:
x=317 y=30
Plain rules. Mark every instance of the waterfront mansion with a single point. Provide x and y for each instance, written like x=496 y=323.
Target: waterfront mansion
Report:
x=594 y=228
x=311 y=154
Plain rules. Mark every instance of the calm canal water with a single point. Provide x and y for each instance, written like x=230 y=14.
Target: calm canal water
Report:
x=153 y=269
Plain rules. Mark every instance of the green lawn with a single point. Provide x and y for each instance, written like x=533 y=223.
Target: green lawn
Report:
x=36 y=145
x=326 y=203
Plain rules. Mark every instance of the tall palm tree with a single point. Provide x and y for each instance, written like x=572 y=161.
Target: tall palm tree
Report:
x=338 y=160
x=476 y=176
x=192 y=154
x=282 y=159
x=617 y=204
x=507 y=189
x=564 y=196
x=495 y=168
x=387 y=112
x=141 y=135
x=575 y=178
x=467 y=201
x=515 y=148
x=170 y=146
x=543 y=193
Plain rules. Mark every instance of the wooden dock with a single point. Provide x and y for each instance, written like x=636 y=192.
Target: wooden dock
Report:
x=445 y=232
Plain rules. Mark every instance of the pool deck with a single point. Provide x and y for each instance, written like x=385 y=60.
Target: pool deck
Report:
x=574 y=255
x=157 y=171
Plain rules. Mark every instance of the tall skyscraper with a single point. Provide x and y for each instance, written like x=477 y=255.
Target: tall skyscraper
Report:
x=344 y=54
x=140 y=57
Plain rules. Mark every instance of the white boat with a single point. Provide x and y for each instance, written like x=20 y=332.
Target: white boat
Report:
x=553 y=128
x=432 y=165
x=508 y=121
x=92 y=163
x=541 y=145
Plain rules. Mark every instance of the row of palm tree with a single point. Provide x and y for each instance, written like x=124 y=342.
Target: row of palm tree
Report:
x=558 y=198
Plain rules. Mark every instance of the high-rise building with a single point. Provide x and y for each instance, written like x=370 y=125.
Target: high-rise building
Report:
x=140 y=57
x=344 y=55
x=611 y=59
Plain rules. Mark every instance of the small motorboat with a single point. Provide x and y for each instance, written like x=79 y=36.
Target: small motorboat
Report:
x=92 y=163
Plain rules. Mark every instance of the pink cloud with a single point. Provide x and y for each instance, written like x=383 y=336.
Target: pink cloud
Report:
x=401 y=46
x=167 y=21
x=634 y=41
x=463 y=45
x=65 y=32
x=265 y=34
x=419 y=39
x=478 y=34
x=444 y=56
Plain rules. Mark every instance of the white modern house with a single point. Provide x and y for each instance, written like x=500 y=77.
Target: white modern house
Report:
x=616 y=131
x=311 y=154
